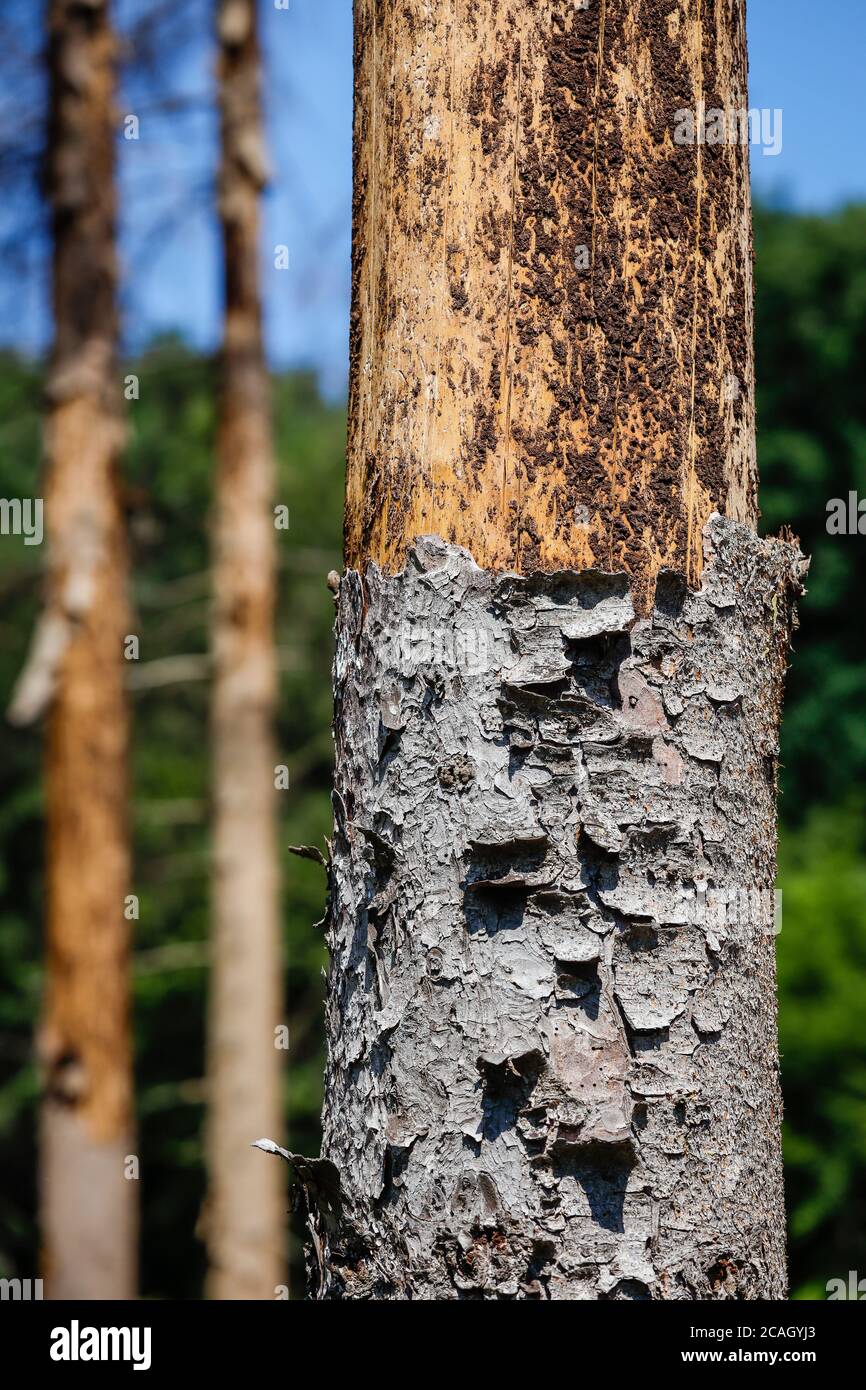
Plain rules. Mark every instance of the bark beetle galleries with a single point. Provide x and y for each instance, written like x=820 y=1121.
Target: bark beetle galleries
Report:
x=552 y=299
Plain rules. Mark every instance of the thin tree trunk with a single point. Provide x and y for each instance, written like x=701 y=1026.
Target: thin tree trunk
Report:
x=246 y=1212
x=552 y=1059
x=88 y=1200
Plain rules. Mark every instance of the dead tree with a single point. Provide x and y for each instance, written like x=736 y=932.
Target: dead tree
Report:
x=76 y=672
x=552 y=1060
x=245 y=1216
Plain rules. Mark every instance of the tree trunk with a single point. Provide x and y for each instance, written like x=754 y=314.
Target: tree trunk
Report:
x=246 y=1206
x=552 y=1058
x=552 y=331
x=88 y=1202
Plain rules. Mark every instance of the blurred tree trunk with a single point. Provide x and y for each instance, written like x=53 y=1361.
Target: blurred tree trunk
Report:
x=88 y=1204
x=245 y=1216
x=552 y=1058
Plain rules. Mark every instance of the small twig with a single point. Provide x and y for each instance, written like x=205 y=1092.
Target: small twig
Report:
x=34 y=689
x=319 y=1181
x=269 y=1147
x=310 y=852
x=170 y=670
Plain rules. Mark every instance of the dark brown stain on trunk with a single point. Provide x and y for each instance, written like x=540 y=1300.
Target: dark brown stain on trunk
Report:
x=551 y=324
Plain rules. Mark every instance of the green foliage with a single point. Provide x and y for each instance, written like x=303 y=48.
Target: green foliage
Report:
x=811 y=367
x=20 y=833
x=822 y=982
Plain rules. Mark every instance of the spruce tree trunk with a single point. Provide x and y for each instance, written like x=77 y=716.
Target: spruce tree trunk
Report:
x=245 y=1216
x=88 y=1201
x=552 y=1058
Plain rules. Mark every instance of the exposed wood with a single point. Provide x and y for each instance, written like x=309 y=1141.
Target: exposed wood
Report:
x=245 y=1215
x=539 y=413
x=552 y=1058
x=88 y=1203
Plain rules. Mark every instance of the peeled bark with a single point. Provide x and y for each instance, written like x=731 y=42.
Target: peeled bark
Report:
x=245 y=1213
x=88 y=1202
x=552 y=1057
x=504 y=395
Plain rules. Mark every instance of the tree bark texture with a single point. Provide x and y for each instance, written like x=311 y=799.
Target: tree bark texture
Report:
x=88 y=1205
x=552 y=1058
x=245 y=1215
x=505 y=394
x=552 y=1066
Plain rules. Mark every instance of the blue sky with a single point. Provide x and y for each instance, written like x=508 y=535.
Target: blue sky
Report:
x=806 y=59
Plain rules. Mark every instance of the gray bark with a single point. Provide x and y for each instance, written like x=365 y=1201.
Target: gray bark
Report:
x=552 y=1056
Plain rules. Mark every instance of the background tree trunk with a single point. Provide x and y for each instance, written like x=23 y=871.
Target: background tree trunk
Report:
x=552 y=1060
x=245 y=1218
x=88 y=1205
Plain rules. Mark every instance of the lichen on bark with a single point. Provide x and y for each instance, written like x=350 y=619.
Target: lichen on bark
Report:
x=552 y=1056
